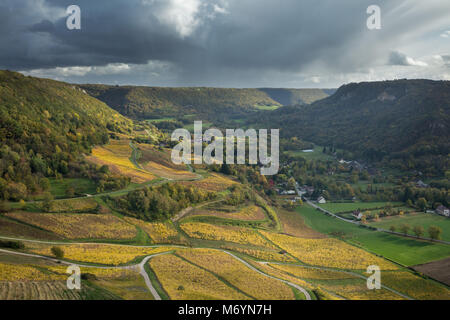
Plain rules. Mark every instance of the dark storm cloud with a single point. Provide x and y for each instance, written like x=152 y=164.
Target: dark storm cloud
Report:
x=112 y=32
x=218 y=41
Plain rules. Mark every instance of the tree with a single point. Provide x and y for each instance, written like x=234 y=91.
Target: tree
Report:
x=422 y=204
x=4 y=207
x=70 y=192
x=47 y=202
x=17 y=191
x=44 y=184
x=354 y=178
x=404 y=228
x=57 y=252
x=104 y=169
x=225 y=169
x=435 y=232
x=291 y=183
x=22 y=204
x=418 y=231
x=392 y=228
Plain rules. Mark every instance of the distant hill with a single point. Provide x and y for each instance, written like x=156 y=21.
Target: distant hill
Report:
x=45 y=125
x=406 y=120
x=290 y=97
x=155 y=102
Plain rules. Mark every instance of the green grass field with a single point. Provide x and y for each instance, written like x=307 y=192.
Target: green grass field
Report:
x=205 y=125
x=161 y=120
x=405 y=251
x=59 y=187
x=267 y=108
x=316 y=155
x=350 y=206
x=417 y=219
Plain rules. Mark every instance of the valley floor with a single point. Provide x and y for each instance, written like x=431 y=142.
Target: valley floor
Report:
x=212 y=250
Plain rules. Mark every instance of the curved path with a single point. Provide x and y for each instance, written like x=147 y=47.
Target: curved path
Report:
x=133 y=158
x=304 y=291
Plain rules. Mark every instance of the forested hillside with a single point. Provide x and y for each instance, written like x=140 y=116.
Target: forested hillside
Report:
x=45 y=126
x=155 y=102
x=290 y=97
x=406 y=120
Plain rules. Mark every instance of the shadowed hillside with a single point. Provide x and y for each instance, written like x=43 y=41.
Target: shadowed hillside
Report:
x=290 y=97
x=155 y=102
x=406 y=120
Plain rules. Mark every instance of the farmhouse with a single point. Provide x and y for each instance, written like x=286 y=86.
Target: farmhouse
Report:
x=357 y=214
x=443 y=211
x=321 y=200
x=421 y=184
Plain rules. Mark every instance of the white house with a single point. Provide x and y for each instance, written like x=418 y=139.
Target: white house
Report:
x=321 y=200
x=357 y=214
x=421 y=184
x=288 y=192
x=443 y=211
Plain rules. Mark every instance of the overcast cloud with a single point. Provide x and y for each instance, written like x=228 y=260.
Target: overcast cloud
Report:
x=226 y=43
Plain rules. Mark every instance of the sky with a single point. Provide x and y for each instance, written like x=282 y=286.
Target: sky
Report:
x=226 y=43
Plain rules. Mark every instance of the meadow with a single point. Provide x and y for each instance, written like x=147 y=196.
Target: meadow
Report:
x=58 y=187
x=335 y=207
x=417 y=219
x=402 y=250
x=267 y=108
x=82 y=205
x=317 y=154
